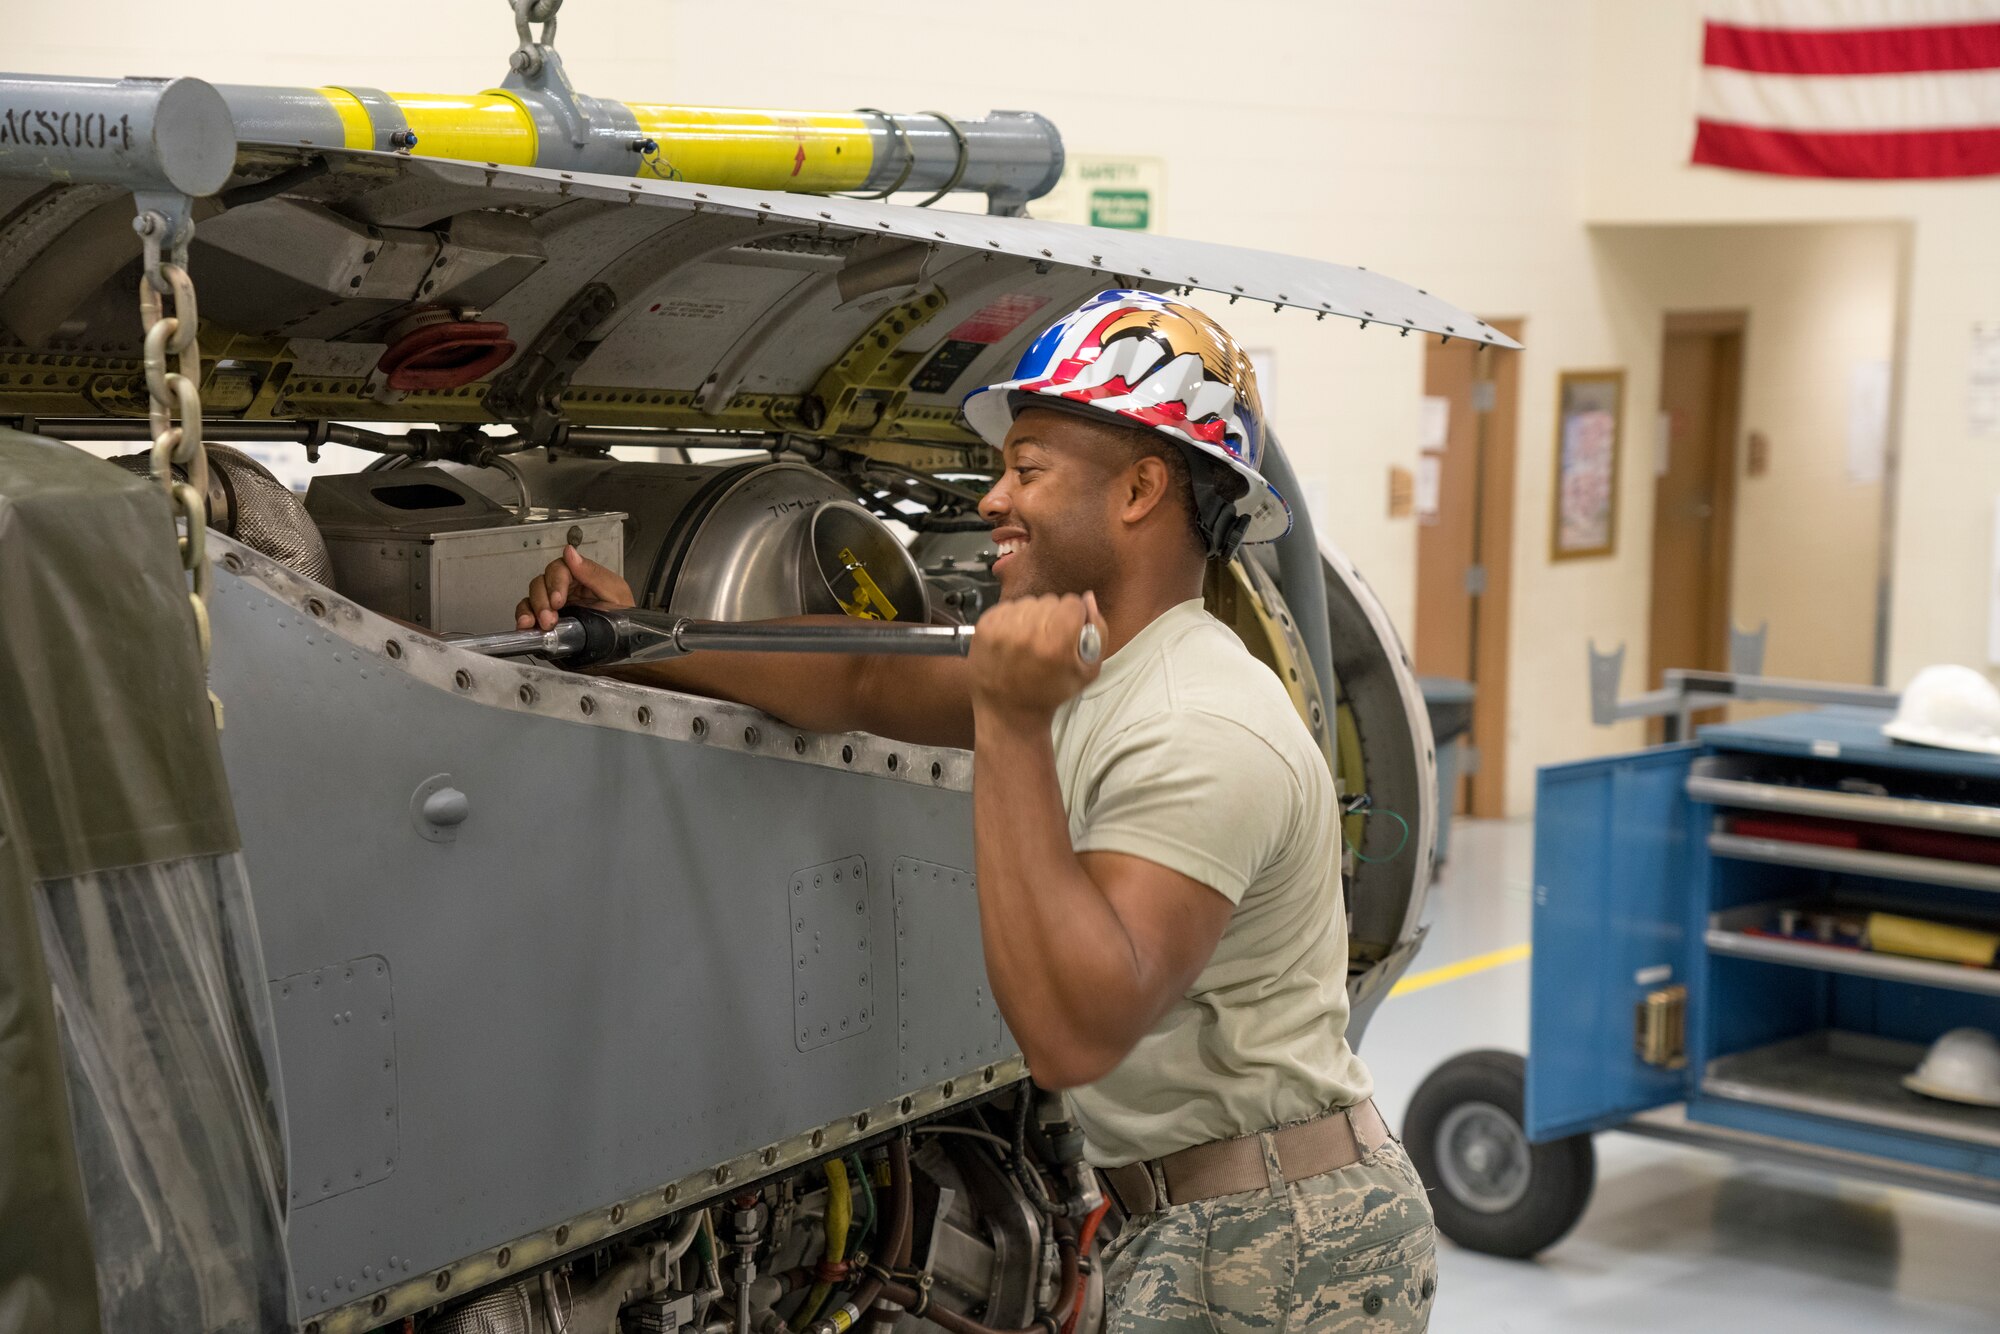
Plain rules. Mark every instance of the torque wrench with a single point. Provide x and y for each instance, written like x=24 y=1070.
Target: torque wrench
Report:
x=589 y=637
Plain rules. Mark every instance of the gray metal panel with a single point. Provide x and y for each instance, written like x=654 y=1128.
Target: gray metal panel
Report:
x=1233 y=271
x=593 y=979
x=453 y=569
x=832 y=996
x=947 y=1019
x=337 y=1027
x=718 y=295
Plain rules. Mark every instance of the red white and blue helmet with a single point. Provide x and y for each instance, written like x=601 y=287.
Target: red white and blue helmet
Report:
x=1147 y=360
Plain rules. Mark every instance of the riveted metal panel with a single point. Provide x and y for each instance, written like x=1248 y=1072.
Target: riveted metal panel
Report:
x=946 y=1018
x=593 y=980
x=337 y=1025
x=832 y=997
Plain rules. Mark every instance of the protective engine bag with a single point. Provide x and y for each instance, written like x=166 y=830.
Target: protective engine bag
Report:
x=142 y=1181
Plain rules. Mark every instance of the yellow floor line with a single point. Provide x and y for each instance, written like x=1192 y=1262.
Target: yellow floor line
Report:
x=1451 y=972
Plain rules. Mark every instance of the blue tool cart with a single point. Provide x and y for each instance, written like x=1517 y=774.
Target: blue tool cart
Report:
x=1711 y=935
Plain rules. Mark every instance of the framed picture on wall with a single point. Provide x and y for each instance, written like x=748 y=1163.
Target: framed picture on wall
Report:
x=1589 y=409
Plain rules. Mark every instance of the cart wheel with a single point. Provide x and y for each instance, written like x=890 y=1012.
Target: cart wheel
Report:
x=1491 y=1189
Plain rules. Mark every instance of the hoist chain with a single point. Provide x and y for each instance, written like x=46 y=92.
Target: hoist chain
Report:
x=172 y=359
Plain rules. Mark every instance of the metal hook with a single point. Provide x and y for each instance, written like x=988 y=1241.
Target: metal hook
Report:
x=528 y=60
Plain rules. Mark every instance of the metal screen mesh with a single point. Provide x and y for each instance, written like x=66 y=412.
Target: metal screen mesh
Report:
x=263 y=513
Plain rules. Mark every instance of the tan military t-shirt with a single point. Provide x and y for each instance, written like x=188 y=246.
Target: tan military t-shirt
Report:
x=1187 y=751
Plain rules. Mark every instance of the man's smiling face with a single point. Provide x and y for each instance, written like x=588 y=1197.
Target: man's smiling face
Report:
x=1055 y=509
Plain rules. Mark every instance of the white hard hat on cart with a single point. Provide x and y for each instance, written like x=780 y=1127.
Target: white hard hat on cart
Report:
x=1951 y=706
x=1962 y=1066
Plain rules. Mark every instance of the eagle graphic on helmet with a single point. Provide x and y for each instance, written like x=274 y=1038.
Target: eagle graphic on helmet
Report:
x=1154 y=362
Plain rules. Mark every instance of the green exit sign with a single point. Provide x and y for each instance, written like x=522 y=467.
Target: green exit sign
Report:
x=1127 y=210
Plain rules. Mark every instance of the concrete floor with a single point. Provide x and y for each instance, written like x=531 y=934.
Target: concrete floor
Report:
x=1675 y=1238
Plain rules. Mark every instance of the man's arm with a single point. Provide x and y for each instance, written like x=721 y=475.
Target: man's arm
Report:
x=925 y=701
x=1086 y=951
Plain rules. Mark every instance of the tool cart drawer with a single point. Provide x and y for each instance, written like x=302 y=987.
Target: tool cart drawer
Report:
x=1850 y=916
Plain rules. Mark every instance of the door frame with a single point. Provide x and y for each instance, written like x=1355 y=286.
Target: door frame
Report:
x=1726 y=427
x=1496 y=450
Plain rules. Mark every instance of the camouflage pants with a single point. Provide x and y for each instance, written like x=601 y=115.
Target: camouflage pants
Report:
x=1350 y=1250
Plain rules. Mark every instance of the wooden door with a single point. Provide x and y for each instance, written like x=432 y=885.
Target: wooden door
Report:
x=1694 y=493
x=1464 y=574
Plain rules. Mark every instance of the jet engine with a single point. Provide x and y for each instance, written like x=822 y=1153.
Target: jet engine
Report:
x=487 y=996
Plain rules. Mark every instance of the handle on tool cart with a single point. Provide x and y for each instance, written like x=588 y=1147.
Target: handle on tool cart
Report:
x=589 y=637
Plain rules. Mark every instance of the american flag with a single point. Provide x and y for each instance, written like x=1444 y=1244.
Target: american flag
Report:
x=1884 y=89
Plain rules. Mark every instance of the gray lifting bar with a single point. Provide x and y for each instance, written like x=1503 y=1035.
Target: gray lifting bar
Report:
x=177 y=138
x=166 y=135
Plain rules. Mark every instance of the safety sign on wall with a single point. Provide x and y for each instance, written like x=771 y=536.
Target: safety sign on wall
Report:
x=1101 y=190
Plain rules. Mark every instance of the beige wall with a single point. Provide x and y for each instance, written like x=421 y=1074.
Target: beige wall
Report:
x=1643 y=58
x=1819 y=299
x=1905 y=275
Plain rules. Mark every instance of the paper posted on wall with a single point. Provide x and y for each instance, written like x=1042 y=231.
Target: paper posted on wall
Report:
x=1430 y=485
x=1982 y=386
x=1867 y=420
x=1435 y=429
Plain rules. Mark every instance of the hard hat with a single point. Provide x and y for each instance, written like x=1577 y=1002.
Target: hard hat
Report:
x=1950 y=706
x=1141 y=358
x=1963 y=1066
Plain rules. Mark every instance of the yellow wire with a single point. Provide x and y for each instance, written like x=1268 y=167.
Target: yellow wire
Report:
x=839 y=1217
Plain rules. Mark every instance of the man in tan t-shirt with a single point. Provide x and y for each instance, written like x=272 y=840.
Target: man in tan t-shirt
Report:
x=1157 y=840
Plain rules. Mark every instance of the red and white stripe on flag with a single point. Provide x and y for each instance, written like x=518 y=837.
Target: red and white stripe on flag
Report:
x=1882 y=89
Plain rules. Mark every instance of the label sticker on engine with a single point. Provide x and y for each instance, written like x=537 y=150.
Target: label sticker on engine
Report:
x=949 y=362
x=691 y=308
x=998 y=318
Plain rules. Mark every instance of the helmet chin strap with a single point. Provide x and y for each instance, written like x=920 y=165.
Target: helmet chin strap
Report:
x=1224 y=544
x=1222 y=527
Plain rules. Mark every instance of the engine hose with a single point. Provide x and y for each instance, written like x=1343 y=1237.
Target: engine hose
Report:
x=894 y=1252
x=917 y=1303
x=839 y=1216
x=1023 y=1166
x=1083 y=1245
x=681 y=1239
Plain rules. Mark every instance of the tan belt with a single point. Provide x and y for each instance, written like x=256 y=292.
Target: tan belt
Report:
x=1338 y=1139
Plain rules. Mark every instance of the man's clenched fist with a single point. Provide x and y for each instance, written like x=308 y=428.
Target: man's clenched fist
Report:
x=1025 y=659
